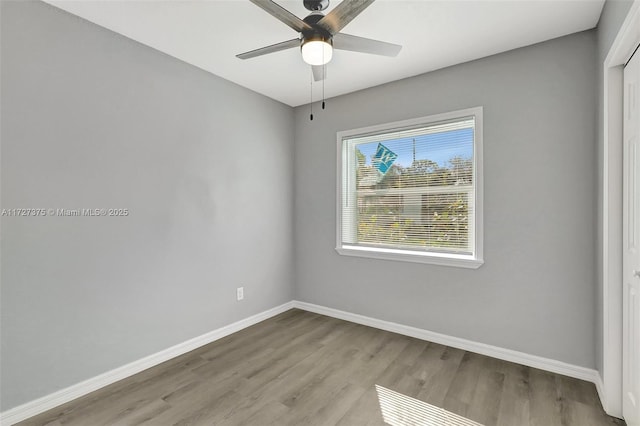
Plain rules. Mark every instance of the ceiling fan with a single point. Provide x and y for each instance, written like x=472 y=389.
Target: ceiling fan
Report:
x=320 y=34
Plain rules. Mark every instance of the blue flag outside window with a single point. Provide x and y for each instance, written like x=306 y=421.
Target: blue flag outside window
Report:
x=384 y=158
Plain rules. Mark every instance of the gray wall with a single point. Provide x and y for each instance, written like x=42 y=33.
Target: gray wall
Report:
x=92 y=119
x=535 y=293
x=613 y=14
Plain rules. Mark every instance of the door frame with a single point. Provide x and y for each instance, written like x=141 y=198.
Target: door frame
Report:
x=621 y=50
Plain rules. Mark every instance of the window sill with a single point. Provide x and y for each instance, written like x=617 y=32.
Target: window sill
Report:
x=456 y=260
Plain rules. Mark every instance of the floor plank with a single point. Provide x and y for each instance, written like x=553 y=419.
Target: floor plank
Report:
x=301 y=368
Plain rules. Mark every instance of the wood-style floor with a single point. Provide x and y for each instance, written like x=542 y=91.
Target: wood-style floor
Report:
x=301 y=368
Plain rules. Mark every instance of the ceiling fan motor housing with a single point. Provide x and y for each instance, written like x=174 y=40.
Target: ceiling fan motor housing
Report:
x=316 y=43
x=317 y=33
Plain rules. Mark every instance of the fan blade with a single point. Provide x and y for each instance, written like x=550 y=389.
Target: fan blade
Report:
x=282 y=15
x=319 y=72
x=365 y=45
x=270 y=49
x=343 y=13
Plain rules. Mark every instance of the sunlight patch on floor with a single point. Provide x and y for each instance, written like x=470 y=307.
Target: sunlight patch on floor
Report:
x=402 y=410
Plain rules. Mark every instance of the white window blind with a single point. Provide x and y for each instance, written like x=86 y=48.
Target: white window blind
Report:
x=411 y=188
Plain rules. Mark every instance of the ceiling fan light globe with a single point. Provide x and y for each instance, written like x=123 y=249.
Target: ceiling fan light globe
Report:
x=317 y=52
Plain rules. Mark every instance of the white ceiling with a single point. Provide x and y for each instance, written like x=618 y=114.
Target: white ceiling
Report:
x=434 y=34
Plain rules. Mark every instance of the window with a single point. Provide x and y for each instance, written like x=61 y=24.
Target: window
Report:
x=412 y=190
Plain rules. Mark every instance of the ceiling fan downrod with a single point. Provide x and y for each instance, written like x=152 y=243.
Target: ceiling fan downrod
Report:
x=316 y=5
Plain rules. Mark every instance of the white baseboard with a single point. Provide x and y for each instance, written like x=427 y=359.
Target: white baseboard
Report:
x=455 y=342
x=62 y=396
x=600 y=388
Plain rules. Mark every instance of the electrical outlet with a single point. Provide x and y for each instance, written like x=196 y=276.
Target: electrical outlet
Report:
x=240 y=293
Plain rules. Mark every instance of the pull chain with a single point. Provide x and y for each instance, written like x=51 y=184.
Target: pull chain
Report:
x=311 y=97
x=324 y=77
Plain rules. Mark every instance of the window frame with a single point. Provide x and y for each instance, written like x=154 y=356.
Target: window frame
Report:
x=473 y=260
